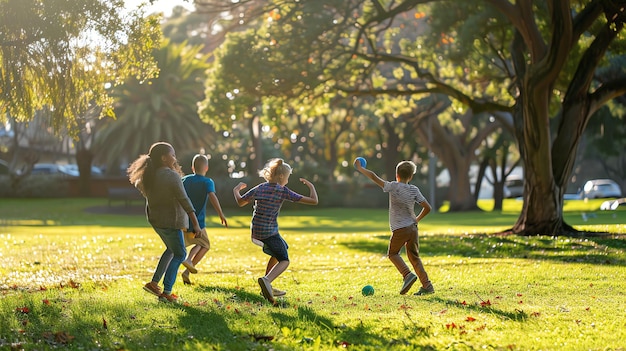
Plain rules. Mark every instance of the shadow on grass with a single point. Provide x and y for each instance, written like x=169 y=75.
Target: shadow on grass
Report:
x=306 y=322
x=516 y=315
x=596 y=250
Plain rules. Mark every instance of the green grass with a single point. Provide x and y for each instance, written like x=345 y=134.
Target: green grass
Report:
x=70 y=278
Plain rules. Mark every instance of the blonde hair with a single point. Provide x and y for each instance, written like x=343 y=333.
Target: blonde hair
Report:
x=274 y=168
x=406 y=169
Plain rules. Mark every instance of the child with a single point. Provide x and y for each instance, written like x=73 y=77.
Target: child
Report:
x=199 y=188
x=268 y=197
x=403 y=223
x=158 y=177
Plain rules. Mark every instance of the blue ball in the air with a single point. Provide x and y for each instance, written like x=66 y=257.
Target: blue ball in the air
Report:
x=362 y=161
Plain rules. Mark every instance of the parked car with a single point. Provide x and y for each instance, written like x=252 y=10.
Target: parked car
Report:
x=514 y=186
x=612 y=205
x=49 y=168
x=601 y=188
x=72 y=169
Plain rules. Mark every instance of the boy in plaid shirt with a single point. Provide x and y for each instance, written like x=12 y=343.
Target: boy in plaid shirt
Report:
x=268 y=198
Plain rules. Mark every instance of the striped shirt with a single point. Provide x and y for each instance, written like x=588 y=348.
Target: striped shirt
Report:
x=402 y=200
x=268 y=198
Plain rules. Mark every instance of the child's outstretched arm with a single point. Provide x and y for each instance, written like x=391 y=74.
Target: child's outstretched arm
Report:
x=241 y=202
x=218 y=208
x=312 y=198
x=371 y=175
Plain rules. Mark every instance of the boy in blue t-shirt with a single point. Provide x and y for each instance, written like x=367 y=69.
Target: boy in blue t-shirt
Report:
x=199 y=188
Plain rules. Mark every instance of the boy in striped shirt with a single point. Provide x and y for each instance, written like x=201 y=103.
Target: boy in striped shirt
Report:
x=403 y=223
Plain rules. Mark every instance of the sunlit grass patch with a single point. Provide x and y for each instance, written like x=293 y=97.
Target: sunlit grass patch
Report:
x=77 y=285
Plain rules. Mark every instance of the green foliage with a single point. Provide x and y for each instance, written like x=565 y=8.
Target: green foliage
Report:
x=34 y=186
x=64 y=54
x=73 y=280
x=159 y=109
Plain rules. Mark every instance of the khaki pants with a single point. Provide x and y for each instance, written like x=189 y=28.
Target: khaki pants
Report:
x=408 y=238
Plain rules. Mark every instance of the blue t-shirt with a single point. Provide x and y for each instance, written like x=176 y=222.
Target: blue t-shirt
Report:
x=198 y=188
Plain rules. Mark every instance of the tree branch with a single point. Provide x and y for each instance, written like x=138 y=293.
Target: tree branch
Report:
x=522 y=18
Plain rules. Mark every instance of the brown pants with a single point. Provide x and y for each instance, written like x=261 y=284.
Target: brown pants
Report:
x=408 y=238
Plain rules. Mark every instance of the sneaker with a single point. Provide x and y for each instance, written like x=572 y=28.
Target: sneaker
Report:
x=426 y=291
x=152 y=288
x=278 y=293
x=171 y=298
x=190 y=267
x=266 y=289
x=408 y=283
x=185 y=277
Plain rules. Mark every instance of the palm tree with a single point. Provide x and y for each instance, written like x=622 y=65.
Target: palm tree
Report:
x=159 y=109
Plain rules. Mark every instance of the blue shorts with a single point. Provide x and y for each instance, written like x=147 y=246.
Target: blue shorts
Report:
x=276 y=247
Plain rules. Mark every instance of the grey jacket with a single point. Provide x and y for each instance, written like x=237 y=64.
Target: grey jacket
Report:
x=167 y=202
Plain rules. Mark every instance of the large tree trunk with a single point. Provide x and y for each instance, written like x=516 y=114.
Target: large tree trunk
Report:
x=542 y=211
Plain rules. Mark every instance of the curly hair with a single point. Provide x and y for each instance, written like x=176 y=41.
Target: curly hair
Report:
x=274 y=168
x=141 y=171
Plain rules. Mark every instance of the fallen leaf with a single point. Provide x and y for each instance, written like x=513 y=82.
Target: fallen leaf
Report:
x=470 y=319
x=104 y=323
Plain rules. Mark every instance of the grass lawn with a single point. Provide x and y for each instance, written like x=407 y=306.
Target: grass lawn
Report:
x=72 y=278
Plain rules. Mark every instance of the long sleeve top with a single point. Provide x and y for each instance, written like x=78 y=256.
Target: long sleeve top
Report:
x=167 y=203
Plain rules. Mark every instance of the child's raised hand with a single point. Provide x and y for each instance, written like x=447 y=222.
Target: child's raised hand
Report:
x=240 y=186
x=306 y=182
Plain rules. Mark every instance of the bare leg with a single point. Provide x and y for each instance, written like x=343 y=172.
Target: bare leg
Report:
x=277 y=270
x=195 y=255
x=199 y=255
x=270 y=264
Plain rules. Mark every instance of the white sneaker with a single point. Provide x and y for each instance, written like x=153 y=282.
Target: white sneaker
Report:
x=190 y=267
x=266 y=289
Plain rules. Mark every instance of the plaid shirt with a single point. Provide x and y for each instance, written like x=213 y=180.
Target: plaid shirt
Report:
x=268 y=198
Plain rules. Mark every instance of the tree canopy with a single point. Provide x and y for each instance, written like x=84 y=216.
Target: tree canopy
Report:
x=532 y=66
x=65 y=55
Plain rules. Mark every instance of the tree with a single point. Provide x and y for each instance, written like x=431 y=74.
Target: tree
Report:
x=536 y=61
x=162 y=108
x=62 y=56
x=66 y=64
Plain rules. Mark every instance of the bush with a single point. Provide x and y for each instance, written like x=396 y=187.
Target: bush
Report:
x=34 y=186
